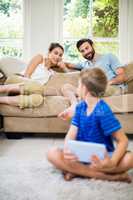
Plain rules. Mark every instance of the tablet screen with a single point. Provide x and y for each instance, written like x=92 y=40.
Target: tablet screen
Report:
x=85 y=150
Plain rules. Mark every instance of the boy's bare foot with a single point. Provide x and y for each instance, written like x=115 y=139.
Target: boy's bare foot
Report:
x=67 y=113
x=68 y=176
x=123 y=177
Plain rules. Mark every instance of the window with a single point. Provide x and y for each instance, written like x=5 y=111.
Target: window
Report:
x=96 y=19
x=11 y=28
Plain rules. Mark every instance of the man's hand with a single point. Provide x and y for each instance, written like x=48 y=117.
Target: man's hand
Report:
x=120 y=77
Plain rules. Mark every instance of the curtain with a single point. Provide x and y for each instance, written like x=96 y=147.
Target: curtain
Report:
x=43 y=24
x=126 y=30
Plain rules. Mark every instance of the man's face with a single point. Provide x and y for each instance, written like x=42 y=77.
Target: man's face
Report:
x=87 y=51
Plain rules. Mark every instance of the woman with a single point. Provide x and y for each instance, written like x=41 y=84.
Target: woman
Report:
x=30 y=92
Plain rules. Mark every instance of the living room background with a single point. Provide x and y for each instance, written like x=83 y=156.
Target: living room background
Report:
x=28 y=26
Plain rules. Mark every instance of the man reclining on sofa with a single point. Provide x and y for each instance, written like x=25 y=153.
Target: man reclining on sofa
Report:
x=109 y=63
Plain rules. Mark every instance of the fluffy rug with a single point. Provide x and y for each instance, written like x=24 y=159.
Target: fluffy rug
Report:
x=25 y=174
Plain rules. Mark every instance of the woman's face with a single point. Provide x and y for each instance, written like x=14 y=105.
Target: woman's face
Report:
x=55 y=55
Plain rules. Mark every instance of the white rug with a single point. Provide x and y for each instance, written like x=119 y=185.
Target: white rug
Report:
x=25 y=174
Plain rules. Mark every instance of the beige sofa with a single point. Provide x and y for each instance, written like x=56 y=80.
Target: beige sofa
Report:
x=44 y=118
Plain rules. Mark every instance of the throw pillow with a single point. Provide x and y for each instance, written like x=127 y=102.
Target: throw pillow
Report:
x=10 y=66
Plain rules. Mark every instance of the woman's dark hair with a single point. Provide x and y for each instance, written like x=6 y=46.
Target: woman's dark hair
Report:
x=55 y=45
x=80 y=42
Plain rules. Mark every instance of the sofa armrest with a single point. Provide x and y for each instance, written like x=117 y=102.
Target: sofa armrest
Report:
x=129 y=77
x=129 y=72
x=2 y=77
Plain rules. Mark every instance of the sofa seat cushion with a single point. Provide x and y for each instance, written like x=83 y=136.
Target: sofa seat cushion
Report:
x=52 y=106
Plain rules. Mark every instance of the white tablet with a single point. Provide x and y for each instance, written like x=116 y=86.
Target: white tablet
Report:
x=85 y=150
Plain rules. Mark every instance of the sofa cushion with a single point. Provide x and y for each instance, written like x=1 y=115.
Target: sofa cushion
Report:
x=129 y=71
x=35 y=125
x=52 y=106
x=11 y=65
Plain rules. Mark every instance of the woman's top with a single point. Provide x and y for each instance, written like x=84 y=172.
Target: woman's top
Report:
x=42 y=74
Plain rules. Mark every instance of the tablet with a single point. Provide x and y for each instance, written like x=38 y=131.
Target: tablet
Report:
x=85 y=150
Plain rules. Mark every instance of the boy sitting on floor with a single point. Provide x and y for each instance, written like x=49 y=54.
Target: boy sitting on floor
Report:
x=94 y=122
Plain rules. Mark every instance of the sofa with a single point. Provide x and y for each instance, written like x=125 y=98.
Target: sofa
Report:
x=43 y=119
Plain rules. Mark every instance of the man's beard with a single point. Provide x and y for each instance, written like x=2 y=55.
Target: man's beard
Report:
x=90 y=55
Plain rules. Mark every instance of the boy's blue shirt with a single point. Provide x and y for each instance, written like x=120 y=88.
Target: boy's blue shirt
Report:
x=97 y=127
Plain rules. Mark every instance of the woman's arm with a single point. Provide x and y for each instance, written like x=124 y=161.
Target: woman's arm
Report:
x=36 y=60
x=65 y=66
x=70 y=65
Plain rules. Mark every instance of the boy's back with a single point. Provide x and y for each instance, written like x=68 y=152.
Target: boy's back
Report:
x=98 y=126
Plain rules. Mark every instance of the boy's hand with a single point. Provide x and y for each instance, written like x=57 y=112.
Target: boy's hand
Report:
x=105 y=165
x=69 y=156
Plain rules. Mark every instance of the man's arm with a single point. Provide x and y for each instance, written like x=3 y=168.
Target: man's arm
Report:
x=120 y=77
x=66 y=67
x=70 y=65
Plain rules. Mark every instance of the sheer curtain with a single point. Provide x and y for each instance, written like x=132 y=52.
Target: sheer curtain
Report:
x=43 y=23
x=126 y=30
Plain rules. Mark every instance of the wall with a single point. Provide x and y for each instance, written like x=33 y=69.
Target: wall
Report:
x=43 y=23
x=126 y=30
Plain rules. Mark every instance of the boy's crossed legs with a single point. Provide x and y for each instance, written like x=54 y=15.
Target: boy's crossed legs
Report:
x=56 y=157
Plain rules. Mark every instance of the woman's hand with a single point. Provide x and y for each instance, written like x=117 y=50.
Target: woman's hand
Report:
x=105 y=165
x=62 y=66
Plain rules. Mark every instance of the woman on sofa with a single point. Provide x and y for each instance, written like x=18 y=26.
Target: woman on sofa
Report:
x=28 y=92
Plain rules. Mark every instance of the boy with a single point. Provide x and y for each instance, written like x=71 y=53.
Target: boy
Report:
x=94 y=122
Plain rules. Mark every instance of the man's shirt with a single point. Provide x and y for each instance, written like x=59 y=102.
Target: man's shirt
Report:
x=107 y=62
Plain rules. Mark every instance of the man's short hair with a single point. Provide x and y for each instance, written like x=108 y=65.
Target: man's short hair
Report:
x=81 y=41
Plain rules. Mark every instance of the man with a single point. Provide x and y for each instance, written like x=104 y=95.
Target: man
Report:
x=107 y=62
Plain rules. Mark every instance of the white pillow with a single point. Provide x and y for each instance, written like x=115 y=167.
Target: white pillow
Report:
x=11 y=65
x=1 y=75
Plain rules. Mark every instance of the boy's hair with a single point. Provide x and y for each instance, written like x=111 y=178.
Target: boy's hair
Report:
x=94 y=80
x=81 y=41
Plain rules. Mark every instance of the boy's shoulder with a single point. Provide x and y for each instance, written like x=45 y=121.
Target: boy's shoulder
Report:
x=103 y=108
x=81 y=104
